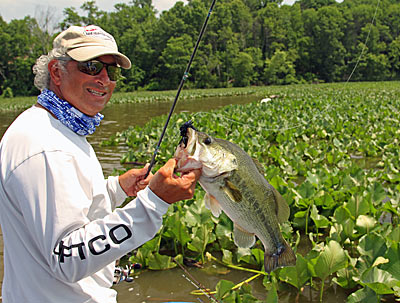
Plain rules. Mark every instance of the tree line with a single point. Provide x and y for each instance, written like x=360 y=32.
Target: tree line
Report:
x=247 y=42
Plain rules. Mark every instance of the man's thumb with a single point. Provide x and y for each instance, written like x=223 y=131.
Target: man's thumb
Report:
x=170 y=166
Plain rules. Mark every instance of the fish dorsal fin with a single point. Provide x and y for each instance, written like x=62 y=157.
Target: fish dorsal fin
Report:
x=232 y=191
x=259 y=166
x=212 y=204
x=242 y=237
x=281 y=207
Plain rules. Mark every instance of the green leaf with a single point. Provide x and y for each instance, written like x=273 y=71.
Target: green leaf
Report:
x=372 y=246
x=342 y=213
x=357 y=206
x=344 y=277
x=365 y=223
x=258 y=255
x=244 y=254
x=331 y=259
x=227 y=256
x=336 y=143
x=380 y=281
x=198 y=214
x=319 y=220
x=178 y=229
x=364 y=295
x=159 y=262
x=272 y=296
x=223 y=287
x=393 y=266
x=313 y=179
x=306 y=190
x=377 y=192
x=296 y=275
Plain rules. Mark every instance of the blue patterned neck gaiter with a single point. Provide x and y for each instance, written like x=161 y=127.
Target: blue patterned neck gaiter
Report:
x=68 y=115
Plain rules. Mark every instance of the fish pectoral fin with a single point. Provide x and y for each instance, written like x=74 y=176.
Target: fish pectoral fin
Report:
x=242 y=237
x=281 y=207
x=212 y=204
x=285 y=256
x=232 y=191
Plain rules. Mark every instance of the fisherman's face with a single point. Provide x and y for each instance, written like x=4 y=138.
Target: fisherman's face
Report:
x=88 y=93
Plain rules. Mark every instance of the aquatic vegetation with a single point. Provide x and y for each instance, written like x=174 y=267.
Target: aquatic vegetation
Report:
x=167 y=96
x=16 y=103
x=332 y=151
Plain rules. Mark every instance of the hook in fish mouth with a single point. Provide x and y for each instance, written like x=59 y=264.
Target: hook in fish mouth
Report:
x=183 y=130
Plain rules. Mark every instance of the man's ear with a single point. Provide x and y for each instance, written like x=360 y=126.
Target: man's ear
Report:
x=55 y=71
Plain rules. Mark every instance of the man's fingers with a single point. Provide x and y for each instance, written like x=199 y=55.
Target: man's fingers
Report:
x=169 y=167
x=142 y=171
x=193 y=175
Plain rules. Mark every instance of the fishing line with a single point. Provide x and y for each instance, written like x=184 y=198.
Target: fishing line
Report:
x=197 y=284
x=365 y=44
x=185 y=76
x=328 y=106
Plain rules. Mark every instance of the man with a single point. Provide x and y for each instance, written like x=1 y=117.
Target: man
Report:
x=61 y=228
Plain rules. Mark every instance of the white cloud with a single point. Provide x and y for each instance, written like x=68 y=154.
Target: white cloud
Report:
x=18 y=9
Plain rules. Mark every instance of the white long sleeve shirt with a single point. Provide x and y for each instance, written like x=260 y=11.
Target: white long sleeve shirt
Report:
x=61 y=229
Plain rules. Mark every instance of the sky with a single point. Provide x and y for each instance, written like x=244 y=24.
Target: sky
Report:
x=18 y=9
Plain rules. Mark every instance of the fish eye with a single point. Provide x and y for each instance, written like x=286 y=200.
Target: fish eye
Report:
x=207 y=141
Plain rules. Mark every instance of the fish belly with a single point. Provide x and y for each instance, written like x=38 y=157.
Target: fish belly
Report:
x=249 y=218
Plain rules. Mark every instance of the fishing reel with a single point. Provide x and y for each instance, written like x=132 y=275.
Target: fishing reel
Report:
x=124 y=273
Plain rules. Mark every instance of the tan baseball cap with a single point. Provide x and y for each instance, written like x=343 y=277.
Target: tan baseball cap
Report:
x=89 y=42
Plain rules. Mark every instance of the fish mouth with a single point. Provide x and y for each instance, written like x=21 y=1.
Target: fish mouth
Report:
x=184 y=132
x=194 y=152
x=186 y=149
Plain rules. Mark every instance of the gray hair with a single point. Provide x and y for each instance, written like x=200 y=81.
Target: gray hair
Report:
x=41 y=71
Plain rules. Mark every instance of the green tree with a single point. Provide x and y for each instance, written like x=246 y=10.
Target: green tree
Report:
x=21 y=48
x=247 y=42
x=315 y=4
x=242 y=69
x=257 y=71
x=203 y=73
x=174 y=61
x=93 y=15
x=394 y=57
x=280 y=69
x=272 y=29
x=325 y=50
x=131 y=25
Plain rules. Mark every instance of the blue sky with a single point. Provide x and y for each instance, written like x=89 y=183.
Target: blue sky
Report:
x=18 y=9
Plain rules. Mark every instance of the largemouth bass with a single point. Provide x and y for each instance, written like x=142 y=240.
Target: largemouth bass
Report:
x=236 y=184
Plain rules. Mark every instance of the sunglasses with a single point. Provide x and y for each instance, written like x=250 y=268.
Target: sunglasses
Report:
x=94 y=67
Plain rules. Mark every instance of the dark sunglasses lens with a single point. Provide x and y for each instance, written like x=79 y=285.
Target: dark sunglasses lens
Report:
x=90 y=67
x=114 y=72
x=94 y=67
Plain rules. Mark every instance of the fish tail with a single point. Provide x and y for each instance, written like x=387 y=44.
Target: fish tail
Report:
x=285 y=256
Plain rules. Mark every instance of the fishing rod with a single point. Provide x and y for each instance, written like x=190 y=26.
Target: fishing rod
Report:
x=184 y=77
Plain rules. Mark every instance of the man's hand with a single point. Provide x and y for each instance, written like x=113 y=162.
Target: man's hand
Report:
x=171 y=188
x=133 y=180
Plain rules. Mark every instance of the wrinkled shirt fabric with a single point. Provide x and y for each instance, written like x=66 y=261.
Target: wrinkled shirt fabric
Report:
x=61 y=227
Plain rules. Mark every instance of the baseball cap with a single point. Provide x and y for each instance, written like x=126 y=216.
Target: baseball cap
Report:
x=84 y=43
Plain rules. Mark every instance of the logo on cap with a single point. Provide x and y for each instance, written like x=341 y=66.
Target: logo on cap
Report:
x=97 y=32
